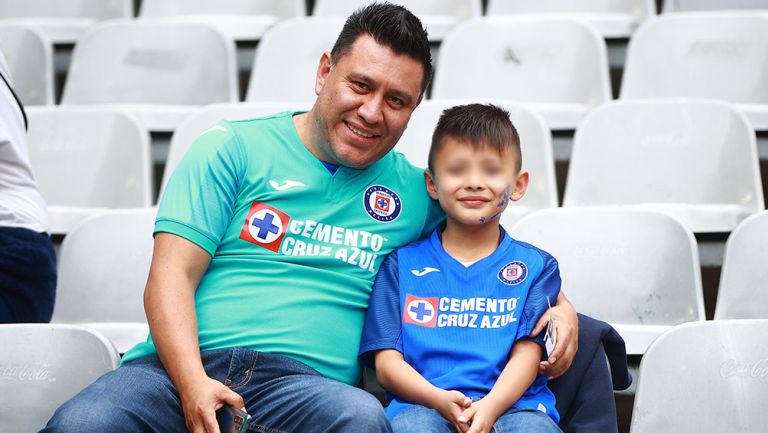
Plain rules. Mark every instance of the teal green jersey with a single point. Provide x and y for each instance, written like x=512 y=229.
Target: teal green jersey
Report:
x=294 y=248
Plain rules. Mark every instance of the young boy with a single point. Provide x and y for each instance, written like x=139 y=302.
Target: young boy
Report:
x=450 y=315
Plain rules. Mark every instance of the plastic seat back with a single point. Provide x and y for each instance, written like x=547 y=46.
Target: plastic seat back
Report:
x=278 y=8
x=707 y=377
x=86 y=156
x=525 y=60
x=152 y=62
x=696 y=159
x=30 y=59
x=743 y=289
x=103 y=268
x=699 y=55
x=44 y=365
x=630 y=267
x=306 y=39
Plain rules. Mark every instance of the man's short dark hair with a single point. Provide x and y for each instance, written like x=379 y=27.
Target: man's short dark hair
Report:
x=392 y=26
x=478 y=125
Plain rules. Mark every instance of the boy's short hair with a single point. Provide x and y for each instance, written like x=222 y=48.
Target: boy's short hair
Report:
x=392 y=26
x=479 y=125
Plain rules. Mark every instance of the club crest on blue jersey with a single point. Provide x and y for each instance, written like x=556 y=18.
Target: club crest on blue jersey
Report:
x=265 y=226
x=513 y=273
x=420 y=311
x=382 y=204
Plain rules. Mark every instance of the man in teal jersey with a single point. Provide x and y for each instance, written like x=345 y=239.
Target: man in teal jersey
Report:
x=267 y=240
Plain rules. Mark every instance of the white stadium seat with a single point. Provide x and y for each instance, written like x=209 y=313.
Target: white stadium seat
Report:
x=44 y=365
x=159 y=70
x=711 y=5
x=437 y=16
x=277 y=78
x=612 y=18
x=707 y=377
x=695 y=159
x=636 y=269
x=30 y=59
x=63 y=22
x=557 y=66
x=103 y=268
x=242 y=20
x=86 y=160
x=721 y=55
x=743 y=291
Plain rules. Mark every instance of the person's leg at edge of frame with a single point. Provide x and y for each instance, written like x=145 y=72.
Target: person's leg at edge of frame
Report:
x=420 y=419
x=525 y=421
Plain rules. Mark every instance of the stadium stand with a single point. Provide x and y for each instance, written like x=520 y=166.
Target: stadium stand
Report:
x=103 y=267
x=30 y=59
x=557 y=66
x=721 y=55
x=161 y=71
x=635 y=269
x=438 y=16
x=242 y=20
x=306 y=39
x=64 y=21
x=742 y=292
x=612 y=18
x=87 y=159
x=42 y=366
x=706 y=377
x=695 y=159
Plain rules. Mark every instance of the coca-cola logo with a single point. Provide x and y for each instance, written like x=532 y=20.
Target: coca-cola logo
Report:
x=26 y=372
x=757 y=369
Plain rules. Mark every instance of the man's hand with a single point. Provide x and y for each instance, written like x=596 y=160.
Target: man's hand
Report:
x=451 y=404
x=567 y=325
x=201 y=401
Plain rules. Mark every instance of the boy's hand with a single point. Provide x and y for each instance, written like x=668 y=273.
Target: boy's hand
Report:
x=480 y=417
x=451 y=404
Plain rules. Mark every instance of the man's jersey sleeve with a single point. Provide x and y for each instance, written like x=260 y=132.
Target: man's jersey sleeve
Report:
x=546 y=286
x=382 y=327
x=199 y=200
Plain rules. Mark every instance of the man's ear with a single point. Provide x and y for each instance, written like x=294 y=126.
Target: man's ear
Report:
x=323 y=69
x=431 y=183
x=521 y=185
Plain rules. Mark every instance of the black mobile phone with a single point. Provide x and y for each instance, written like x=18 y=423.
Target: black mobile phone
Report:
x=232 y=420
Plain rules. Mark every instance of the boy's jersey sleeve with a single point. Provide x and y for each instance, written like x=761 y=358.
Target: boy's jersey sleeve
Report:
x=546 y=286
x=199 y=200
x=382 y=326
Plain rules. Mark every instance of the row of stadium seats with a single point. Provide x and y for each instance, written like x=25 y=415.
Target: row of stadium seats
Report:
x=65 y=21
x=703 y=377
x=162 y=70
x=694 y=159
x=636 y=269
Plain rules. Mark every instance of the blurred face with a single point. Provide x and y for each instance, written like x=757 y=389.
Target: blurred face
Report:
x=364 y=103
x=474 y=184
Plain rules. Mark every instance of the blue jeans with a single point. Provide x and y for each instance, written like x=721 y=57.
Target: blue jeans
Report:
x=420 y=419
x=282 y=395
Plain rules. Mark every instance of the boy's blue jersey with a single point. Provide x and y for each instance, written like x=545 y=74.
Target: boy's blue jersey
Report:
x=456 y=325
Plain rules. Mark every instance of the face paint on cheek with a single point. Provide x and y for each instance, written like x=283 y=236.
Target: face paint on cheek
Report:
x=504 y=197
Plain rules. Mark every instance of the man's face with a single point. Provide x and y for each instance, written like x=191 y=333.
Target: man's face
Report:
x=364 y=103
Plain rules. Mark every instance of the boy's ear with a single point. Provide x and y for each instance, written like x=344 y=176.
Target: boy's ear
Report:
x=431 y=184
x=521 y=185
